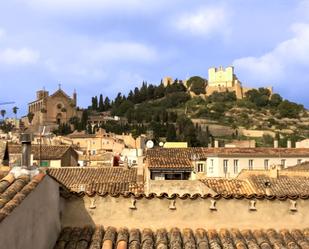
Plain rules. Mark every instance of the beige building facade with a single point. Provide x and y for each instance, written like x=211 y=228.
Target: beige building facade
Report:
x=51 y=109
x=231 y=166
x=302 y=144
x=93 y=144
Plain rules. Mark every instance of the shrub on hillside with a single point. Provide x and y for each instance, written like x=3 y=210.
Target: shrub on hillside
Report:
x=197 y=85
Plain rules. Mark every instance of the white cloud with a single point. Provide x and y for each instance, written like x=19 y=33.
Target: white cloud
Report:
x=205 y=22
x=121 y=51
x=97 y=61
x=282 y=60
x=11 y=56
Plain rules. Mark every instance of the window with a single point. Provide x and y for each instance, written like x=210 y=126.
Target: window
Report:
x=211 y=166
x=250 y=164
x=225 y=165
x=266 y=162
x=235 y=166
x=299 y=161
x=44 y=164
x=283 y=163
x=93 y=152
x=200 y=167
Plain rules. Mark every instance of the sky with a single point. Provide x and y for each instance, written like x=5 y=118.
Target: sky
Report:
x=111 y=46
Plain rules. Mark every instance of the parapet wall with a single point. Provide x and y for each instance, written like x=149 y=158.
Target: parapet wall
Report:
x=196 y=213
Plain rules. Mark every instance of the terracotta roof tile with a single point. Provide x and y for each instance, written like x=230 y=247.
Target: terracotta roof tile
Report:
x=99 y=180
x=182 y=157
x=48 y=152
x=299 y=167
x=14 y=190
x=228 y=186
x=277 y=182
x=97 y=238
x=169 y=158
x=261 y=183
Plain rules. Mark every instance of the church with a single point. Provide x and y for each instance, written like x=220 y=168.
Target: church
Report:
x=51 y=110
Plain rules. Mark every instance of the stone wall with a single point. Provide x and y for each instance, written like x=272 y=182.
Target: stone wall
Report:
x=255 y=133
x=161 y=213
x=35 y=223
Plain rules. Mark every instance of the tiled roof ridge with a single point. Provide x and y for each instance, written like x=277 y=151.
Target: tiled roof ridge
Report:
x=47 y=150
x=16 y=192
x=206 y=151
x=98 y=237
x=250 y=184
x=186 y=196
x=96 y=179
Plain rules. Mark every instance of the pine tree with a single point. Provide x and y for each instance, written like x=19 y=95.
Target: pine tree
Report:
x=171 y=133
x=84 y=120
x=101 y=103
x=107 y=104
x=118 y=100
x=94 y=105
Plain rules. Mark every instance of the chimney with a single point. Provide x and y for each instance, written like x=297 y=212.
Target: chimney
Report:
x=267 y=185
x=126 y=163
x=26 y=150
x=289 y=144
x=276 y=144
x=216 y=144
x=140 y=170
x=274 y=171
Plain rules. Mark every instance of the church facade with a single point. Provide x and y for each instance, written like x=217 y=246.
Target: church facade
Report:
x=54 y=109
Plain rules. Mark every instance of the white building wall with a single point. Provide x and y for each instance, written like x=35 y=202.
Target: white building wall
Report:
x=243 y=163
x=55 y=163
x=303 y=144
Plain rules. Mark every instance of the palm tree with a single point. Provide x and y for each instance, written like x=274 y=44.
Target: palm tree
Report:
x=15 y=109
x=3 y=112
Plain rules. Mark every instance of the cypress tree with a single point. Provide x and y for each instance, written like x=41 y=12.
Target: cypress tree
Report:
x=101 y=103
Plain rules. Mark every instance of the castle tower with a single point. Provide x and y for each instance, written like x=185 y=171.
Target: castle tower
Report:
x=220 y=77
x=41 y=94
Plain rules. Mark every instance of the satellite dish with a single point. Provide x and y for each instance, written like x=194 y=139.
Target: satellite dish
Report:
x=149 y=144
x=161 y=144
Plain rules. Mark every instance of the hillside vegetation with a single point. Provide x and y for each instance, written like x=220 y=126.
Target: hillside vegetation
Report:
x=166 y=113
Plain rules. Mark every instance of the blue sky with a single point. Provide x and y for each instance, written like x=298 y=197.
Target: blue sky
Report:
x=107 y=46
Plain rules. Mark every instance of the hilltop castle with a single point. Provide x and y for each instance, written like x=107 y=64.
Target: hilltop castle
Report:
x=220 y=80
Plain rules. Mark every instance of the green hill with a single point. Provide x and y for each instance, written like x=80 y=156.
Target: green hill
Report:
x=184 y=113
